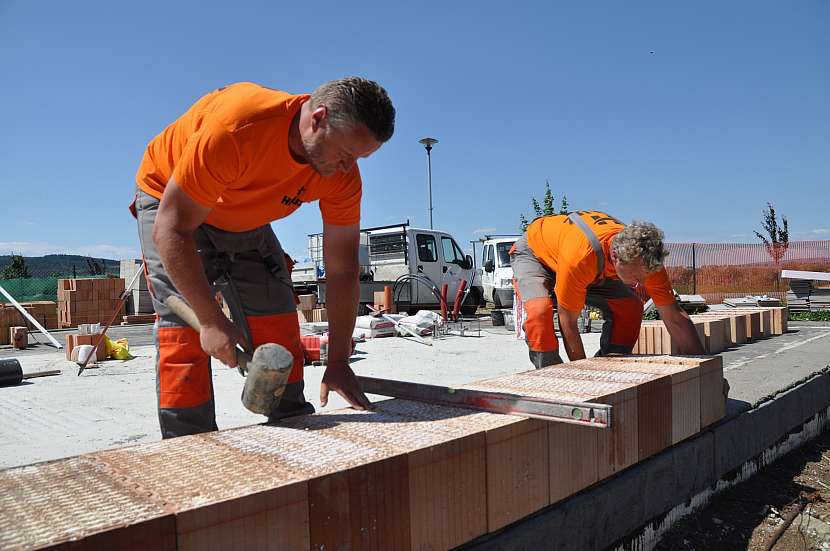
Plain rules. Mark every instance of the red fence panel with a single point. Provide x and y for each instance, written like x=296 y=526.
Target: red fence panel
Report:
x=723 y=270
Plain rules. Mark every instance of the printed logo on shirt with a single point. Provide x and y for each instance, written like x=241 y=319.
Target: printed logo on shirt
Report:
x=599 y=218
x=294 y=201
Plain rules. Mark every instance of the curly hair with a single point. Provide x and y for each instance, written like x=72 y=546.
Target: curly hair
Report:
x=640 y=240
x=357 y=100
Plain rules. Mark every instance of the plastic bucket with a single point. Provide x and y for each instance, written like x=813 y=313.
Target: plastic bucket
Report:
x=498 y=318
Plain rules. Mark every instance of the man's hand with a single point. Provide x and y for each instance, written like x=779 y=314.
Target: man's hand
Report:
x=681 y=329
x=570 y=333
x=219 y=339
x=340 y=378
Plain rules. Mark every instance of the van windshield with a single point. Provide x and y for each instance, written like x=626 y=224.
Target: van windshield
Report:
x=503 y=250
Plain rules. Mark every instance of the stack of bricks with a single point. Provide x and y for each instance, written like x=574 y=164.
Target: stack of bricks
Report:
x=88 y=300
x=309 y=311
x=73 y=341
x=655 y=338
x=404 y=476
x=44 y=311
x=717 y=329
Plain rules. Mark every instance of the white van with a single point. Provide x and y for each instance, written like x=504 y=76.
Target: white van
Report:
x=496 y=274
x=390 y=254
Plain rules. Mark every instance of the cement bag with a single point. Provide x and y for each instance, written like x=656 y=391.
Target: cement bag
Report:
x=370 y=327
x=83 y=351
x=422 y=323
x=371 y=322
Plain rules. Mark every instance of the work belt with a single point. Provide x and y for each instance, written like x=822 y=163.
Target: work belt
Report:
x=227 y=245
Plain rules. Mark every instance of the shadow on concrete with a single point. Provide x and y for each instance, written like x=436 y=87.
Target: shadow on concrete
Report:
x=734 y=407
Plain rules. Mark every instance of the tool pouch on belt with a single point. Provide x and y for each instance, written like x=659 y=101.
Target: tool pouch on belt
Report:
x=218 y=249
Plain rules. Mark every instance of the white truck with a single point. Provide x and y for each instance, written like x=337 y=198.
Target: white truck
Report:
x=415 y=262
x=496 y=274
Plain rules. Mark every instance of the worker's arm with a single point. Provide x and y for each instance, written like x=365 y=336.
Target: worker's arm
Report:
x=177 y=219
x=570 y=333
x=681 y=329
x=340 y=254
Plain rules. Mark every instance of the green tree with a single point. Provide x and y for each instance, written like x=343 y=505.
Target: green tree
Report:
x=545 y=208
x=777 y=240
x=16 y=269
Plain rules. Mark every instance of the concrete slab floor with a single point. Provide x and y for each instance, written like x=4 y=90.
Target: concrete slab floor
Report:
x=114 y=405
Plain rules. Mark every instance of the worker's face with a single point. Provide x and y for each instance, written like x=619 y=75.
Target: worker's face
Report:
x=632 y=273
x=330 y=150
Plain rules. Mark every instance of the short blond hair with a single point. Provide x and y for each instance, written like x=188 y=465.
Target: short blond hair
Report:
x=640 y=240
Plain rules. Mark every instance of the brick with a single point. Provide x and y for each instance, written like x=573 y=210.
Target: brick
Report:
x=19 y=337
x=446 y=463
x=307 y=302
x=715 y=333
x=712 y=399
x=319 y=315
x=60 y=502
x=73 y=340
x=517 y=471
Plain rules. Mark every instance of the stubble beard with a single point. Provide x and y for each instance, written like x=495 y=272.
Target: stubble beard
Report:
x=314 y=156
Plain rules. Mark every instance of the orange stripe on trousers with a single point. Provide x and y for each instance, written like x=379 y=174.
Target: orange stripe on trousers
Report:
x=627 y=314
x=184 y=369
x=539 y=325
x=282 y=329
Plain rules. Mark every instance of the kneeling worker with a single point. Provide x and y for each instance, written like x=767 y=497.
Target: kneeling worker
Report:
x=589 y=257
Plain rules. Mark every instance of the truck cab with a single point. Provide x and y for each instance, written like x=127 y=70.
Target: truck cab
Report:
x=496 y=274
x=414 y=261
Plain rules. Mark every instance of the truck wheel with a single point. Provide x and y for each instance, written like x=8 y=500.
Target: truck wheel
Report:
x=496 y=301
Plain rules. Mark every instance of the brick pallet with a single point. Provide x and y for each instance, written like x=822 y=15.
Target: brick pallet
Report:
x=405 y=476
x=44 y=311
x=88 y=300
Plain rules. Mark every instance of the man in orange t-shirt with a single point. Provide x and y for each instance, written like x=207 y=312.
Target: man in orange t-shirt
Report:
x=208 y=187
x=589 y=257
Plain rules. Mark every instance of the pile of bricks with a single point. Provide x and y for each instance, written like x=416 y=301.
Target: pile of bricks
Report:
x=309 y=311
x=132 y=319
x=404 y=476
x=88 y=300
x=44 y=311
x=74 y=340
x=717 y=330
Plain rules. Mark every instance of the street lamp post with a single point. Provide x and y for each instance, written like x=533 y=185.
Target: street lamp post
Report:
x=428 y=143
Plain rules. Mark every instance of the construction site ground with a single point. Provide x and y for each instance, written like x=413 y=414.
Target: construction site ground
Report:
x=115 y=403
x=746 y=516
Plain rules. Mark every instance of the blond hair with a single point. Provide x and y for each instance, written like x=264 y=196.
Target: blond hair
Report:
x=640 y=240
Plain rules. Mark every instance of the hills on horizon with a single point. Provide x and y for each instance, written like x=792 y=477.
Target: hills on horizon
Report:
x=56 y=265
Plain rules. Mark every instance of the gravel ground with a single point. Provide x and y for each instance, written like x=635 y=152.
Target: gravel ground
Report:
x=747 y=515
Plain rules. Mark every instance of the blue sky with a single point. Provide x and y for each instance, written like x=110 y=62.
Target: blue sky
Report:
x=692 y=115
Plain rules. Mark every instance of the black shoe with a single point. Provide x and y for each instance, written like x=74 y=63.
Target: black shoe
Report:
x=285 y=410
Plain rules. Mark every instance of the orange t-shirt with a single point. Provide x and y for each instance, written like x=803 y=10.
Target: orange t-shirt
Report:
x=561 y=246
x=229 y=153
